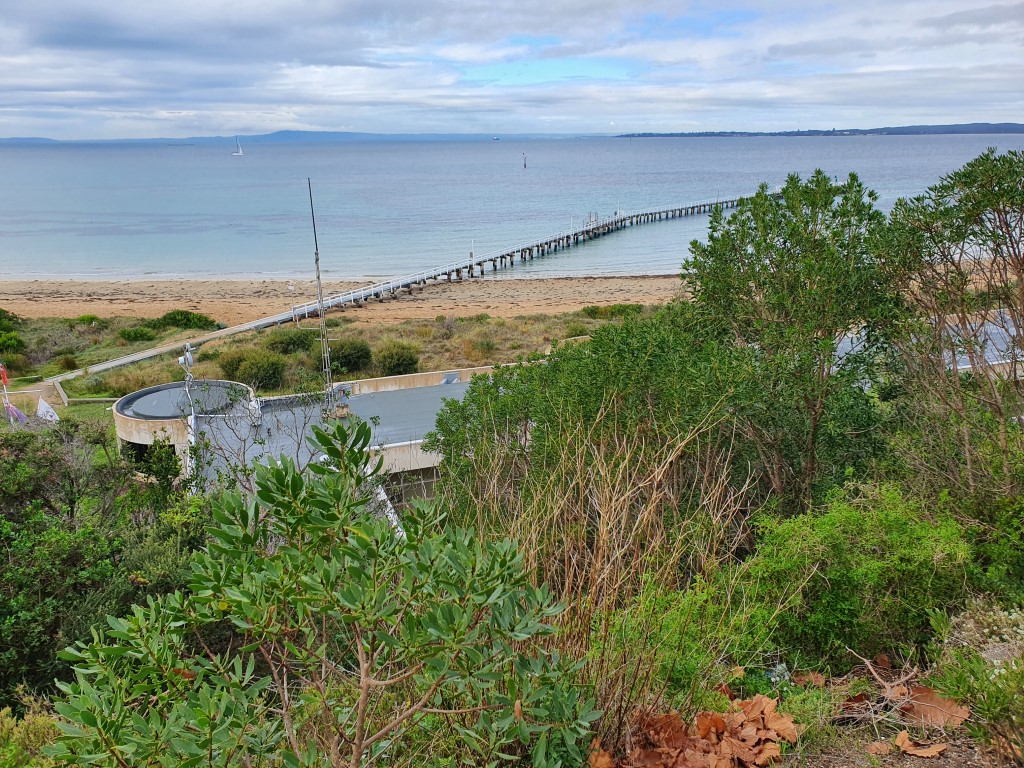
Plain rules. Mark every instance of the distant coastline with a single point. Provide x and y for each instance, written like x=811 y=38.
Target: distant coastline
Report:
x=309 y=137
x=899 y=130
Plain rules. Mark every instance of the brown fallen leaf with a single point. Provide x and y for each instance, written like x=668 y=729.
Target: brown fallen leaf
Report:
x=598 y=757
x=930 y=709
x=879 y=748
x=809 y=678
x=908 y=747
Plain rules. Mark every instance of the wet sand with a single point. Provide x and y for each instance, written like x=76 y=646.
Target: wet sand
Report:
x=237 y=301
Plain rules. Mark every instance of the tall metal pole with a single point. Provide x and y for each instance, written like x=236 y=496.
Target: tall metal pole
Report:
x=325 y=348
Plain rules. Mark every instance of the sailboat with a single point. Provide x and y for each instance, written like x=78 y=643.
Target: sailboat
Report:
x=238 y=148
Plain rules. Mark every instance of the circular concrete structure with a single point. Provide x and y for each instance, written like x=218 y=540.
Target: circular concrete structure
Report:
x=161 y=412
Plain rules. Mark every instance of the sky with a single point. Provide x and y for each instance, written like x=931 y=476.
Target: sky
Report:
x=104 y=69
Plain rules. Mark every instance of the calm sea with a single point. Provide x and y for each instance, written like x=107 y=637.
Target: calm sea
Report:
x=389 y=208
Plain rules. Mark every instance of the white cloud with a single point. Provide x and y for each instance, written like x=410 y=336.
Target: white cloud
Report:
x=80 y=69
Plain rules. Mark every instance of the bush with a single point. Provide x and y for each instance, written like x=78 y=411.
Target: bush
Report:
x=16 y=363
x=67 y=363
x=137 y=333
x=287 y=341
x=350 y=355
x=182 y=318
x=612 y=310
x=443 y=624
x=230 y=360
x=11 y=343
x=262 y=369
x=22 y=739
x=866 y=573
x=92 y=321
x=396 y=358
x=8 y=320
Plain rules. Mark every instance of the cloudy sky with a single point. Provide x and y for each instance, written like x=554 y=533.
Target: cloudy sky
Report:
x=85 y=69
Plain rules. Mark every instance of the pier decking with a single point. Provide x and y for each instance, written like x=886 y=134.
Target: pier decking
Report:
x=476 y=265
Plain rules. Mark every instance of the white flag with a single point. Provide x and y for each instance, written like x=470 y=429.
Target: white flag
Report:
x=45 y=411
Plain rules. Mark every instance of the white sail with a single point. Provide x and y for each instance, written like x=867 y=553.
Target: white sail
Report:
x=238 y=148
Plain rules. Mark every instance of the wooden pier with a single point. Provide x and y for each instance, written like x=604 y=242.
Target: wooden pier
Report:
x=477 y=265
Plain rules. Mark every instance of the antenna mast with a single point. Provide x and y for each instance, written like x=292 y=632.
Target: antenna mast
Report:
x=325 y=349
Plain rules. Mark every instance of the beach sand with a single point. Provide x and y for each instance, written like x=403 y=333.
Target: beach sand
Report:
x=237 y=301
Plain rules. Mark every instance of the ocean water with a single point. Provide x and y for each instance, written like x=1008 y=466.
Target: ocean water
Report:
x=383 y=209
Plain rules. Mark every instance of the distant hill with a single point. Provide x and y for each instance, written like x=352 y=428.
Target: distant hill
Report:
x=900 y=130
x=315 y=137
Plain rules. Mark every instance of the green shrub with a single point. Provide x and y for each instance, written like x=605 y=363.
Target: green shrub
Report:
x=396 y=358
x=262 y=369
x=8 y=320
x=994 y=691
x=16 y=363
x=22 y=738
x=182 y=318
x=443 y=623
x=287 y=341
x=11 y=343
x=229 y=361
x=866 y=573
x=67 y=363
x=93 y=321
x=574 y=329
x=612 y=310
x=137 y=333
x=350 y=355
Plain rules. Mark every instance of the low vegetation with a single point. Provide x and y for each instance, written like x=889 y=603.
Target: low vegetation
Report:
x=731 y=530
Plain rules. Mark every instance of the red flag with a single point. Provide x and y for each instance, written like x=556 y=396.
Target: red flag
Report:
x=3 y=374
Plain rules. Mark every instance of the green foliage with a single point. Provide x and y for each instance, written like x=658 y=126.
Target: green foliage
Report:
x=93 y=321
x=230 y=360
x=697 y=636
x=262 y=369
x=396 y=358
x=22 y=739
x=137 y=333
x=287 y=341
x=610 y=311
x=68 y=362
x=8 y=320
x=78 y=540
x=350 y=355
x=16 y=363
x=346 y=628
x=789 y=277
x=994 y=691
x=183 y=319
x=866 y=572
x=11 y=343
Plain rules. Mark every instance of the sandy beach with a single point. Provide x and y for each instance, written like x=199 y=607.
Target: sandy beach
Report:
x=237 y=301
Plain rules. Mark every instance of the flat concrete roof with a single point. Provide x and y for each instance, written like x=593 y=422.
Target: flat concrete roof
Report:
x=169 y=401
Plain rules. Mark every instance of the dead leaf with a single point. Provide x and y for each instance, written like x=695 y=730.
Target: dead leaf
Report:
x=930 y=709
x=879 y=748
x=882 y=661
x=908 y=747
x=782 y=725
x=598 y=757
x=726 y=691
x=809 y=678
x=769 y=753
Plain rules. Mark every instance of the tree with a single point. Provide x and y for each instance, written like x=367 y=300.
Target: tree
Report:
x=794 y=280
x=962 y=246
x=352 y=642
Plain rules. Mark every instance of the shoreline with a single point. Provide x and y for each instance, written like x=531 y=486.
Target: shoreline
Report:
x=238 y=300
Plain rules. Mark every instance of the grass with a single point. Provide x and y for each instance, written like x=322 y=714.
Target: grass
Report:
x=445 y=342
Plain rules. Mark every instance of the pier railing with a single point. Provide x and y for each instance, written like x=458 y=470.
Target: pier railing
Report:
x=475 y=264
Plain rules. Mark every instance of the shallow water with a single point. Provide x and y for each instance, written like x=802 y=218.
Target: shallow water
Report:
x=390 y=208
